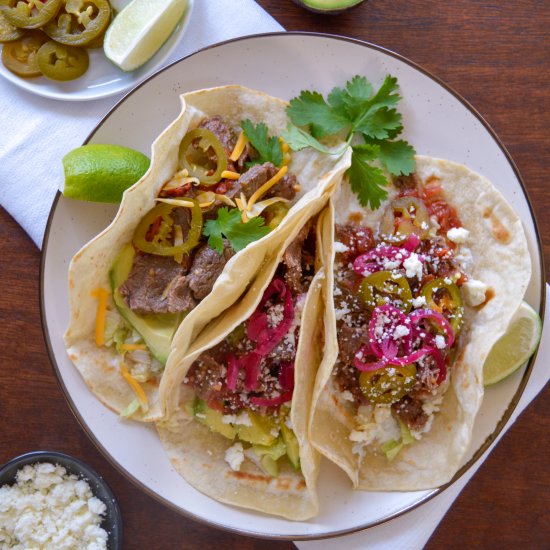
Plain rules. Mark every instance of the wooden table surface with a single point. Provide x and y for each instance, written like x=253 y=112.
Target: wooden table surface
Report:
x=495 y=54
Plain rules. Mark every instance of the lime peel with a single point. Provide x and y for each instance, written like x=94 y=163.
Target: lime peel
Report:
x=140 y=30
x=514 y=348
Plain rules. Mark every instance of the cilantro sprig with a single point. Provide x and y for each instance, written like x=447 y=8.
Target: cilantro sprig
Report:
x=269 y=148
x=359 y=111
x=229 y=225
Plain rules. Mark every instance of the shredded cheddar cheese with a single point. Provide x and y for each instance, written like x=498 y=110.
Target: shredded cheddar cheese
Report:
x=229 y=175
x=132 y=347
x=284 y=145
x=101 y=295
x=136 y=387
x=266 y=187
x=239 y=147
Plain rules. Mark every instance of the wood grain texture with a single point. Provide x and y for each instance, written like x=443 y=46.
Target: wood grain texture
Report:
x=496 y=54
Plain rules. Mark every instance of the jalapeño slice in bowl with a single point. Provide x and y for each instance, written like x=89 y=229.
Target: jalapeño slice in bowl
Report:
x=9 y=32
x=20 y=56
x=59 y=62
x=31 y=14
x=79 y=22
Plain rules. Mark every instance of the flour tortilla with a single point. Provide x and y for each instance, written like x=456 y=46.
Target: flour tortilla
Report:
x=89 y=268
x=198 y=454
x=501 y=260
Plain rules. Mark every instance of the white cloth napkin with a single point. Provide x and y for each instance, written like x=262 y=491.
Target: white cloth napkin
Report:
x=36 y=129
x=413 y=530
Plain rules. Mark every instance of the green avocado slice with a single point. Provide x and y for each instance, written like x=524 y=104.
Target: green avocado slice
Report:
x=157 y=330
x=260 y=432
x=213 y=419
x=292 y=446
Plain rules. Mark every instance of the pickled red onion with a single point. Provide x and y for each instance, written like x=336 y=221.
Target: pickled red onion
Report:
x=273 y=402
x=359 y=360
x=258 y=329
x=232 y=371
x=419 y=314
x=387 y=346
x=286 y=375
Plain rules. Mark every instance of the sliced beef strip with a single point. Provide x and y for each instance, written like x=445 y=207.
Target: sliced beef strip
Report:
x=292 y=258
x=404 y=183
x=286 y=187
x=144 y=289
x=206 y=268
x=410 y=412
x=350 y=339
x=252 y=180
x=221 y=130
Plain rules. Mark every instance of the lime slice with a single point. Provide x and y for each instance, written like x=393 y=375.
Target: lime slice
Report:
x=101 y=173
x=515 y=347
x=139 y=31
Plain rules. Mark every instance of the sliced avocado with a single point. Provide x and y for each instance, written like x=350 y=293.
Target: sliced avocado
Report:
x=158 y=330
x=260 y=431
x=291 y=443
x=327 y=6
x=269 y=455
x=213 y=419
x=270 y=465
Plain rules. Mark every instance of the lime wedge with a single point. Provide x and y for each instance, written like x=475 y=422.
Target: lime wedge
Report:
x=515 y=347
x=101 y=173
x=139 y=31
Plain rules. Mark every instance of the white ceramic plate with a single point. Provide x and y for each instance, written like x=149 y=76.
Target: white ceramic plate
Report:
x=437 y=122
x=102 y=79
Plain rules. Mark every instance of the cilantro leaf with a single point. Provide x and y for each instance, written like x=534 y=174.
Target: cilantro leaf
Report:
x=367 y=181
x=269 y=148
x=360 y=110
x=311 y=109
x=229 y=224
x=384 y=97
x=380 y=123
x=298 y=139
x=397 y=157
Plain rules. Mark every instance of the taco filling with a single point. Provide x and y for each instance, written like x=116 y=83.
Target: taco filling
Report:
x=398 y=300
x=243 y=386
x=223 y=197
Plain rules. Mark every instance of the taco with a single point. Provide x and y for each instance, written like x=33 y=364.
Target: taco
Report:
x=419 y=293
x=221 y=194
x=238 y=401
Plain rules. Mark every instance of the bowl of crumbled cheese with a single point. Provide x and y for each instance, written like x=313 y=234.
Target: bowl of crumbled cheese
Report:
x=53 y=500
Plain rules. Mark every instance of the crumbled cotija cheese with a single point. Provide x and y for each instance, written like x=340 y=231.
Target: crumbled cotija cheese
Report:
x=48 y=508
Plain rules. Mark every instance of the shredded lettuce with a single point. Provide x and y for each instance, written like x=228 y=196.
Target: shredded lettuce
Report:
x=131 y=409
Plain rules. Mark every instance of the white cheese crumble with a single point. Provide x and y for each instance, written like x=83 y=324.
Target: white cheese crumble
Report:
x=49 y=508
x=340 y=313
x=474 y=292
x=238 y=419
x=234 y=456
x=374 y=424
x=458 y=235
x=413 y=266
x=347 y=395
x=400 y=331
x=419 y=301
x=440 y=341
x=340 y=247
